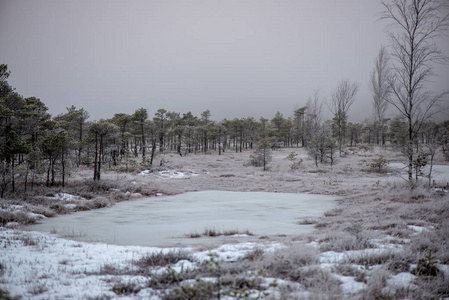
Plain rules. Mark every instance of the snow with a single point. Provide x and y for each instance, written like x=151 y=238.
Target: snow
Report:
x=170 y=174
x=66 y=197
x=401 y=280
x=42 y=265
x=52 y=267
x=417 y=229
x=349 y=285
x=59 y=268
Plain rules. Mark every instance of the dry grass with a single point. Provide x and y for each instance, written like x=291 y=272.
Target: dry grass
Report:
x=163 y=258
x=283 y=263
x=375 y=209
x=212 y=232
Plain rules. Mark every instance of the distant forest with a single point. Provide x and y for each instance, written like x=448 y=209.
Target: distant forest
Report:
x=39 y=149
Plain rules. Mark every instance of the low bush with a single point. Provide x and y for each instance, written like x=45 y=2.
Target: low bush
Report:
x=5 y=295
x=281 y=263
x=212 y=232
x=20 y=217
x=344 y=241
x=351 y=270
x=378 y=165
x=126 y=288
x=45 y=211
x=318 y=282
x=370 y=258
x=162 y=258
x=199 y=289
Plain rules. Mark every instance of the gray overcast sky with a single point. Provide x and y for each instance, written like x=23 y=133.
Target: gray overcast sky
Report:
x=237 y=58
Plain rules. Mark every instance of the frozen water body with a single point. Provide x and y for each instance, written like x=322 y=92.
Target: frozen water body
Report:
x=166 y=221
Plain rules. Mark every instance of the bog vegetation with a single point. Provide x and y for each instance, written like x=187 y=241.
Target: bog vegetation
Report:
x=37 y=149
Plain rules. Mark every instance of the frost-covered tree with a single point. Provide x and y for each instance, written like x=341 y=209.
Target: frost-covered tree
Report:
x=380 y=87
x=262 y=155
x=415 y=27
x=341 y=100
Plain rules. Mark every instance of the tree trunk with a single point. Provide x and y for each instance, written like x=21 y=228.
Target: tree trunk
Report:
x=53 y=172
x=63 y=169
x=13 y=175
x=153 y=150
x=100 y=158
x=48 y=172
x=96 y=157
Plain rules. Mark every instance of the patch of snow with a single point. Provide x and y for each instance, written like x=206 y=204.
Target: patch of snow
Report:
x=36 y=216
x=417 y=229
x=444 y=269
x=332 y=257
x=175 y=174
x=349 y=285
x=60 y=268
x=134 y=195
x=338 y=257
x=159 y=194
x=70 y=205
x=401 y=280
x=67 y=197
x=12 y=225
x=15 y=208
x=183 y=265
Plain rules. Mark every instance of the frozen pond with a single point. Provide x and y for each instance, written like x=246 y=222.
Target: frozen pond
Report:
x=167 y=221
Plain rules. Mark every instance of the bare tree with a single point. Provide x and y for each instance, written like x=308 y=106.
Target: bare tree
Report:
x=341 y=100
x=380 y=87
x=415 y=27
x=313 y=116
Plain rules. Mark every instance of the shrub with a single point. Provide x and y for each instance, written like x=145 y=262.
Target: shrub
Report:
x=255 y=254
x=200 y=289
x=126 y=288
x=285 y=261
x=370 y=258
x=351 y=270
x=7 y=296
x=18 y=216
x=291 y=156
x=212 y=232
x=164 y=258
x=378 y=165
x=295 y=165
x=45 y=211
x=344 y=241
x=426 y=266
x=37 y=289
x=169 y=277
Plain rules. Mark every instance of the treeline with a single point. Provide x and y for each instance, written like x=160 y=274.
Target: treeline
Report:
x=36 y=148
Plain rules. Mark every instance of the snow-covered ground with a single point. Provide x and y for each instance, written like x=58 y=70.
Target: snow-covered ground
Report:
x=37 y=265
x=42 y=266
x=440 y=173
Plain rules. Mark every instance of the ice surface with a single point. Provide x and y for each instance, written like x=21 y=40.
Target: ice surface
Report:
x=166 y=221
